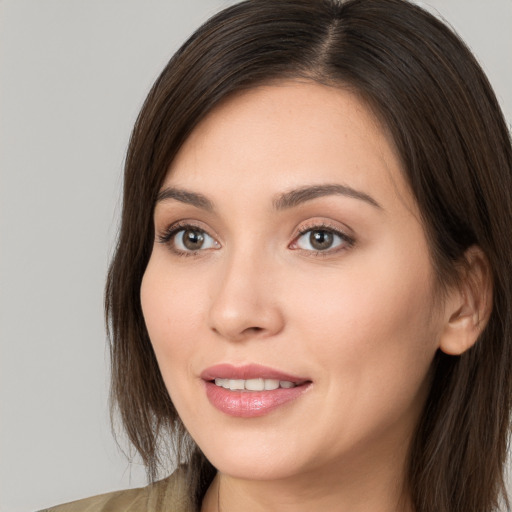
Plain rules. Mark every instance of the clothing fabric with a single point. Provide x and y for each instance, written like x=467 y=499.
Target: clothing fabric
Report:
x=168 y=495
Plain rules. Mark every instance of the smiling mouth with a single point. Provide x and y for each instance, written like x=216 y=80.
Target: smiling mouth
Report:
x=250 y=398
x=251 y=390
x=254 y=384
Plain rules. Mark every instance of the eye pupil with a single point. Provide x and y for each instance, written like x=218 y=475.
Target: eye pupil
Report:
x=193 y=239
x=321 y=240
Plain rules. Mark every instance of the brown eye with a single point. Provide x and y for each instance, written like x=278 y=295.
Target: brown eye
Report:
x=192 y=239
x=321 y=240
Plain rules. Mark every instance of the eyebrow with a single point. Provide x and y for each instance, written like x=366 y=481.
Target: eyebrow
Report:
x=185 y=196
x=282 y=202
x=303 y=194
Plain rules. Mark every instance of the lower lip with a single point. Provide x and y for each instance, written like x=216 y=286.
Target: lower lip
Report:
x=250 y=404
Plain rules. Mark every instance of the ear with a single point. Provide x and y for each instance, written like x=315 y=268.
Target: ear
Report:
x=468 y=305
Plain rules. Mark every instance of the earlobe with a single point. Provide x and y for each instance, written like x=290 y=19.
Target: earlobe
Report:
x=469 y=304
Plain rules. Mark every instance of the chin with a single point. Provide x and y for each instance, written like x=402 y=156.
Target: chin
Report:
x=257 y=460
x=257 y=469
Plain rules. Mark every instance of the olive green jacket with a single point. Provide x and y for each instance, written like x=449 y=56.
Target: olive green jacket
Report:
x=168 y=495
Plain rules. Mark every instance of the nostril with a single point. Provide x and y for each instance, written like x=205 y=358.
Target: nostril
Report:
x=254 y=329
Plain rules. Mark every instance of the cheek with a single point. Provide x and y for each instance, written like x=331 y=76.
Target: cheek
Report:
x=373 y=343
x=371 y=325
x=171 y=306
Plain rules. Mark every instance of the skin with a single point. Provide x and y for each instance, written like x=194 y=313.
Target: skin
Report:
x=357 y=319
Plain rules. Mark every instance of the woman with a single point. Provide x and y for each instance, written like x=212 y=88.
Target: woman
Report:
x=310 y=300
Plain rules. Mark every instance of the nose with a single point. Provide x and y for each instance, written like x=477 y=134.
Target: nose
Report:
x=244 y=302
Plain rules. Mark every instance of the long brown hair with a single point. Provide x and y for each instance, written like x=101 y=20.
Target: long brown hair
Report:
x=429 y=91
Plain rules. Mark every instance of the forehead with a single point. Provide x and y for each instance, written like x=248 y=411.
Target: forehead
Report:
x=286 y=135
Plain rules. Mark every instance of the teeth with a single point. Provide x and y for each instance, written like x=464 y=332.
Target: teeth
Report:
x=253 y=384
x=236 y=384
x=271 y=384
x=224 y=383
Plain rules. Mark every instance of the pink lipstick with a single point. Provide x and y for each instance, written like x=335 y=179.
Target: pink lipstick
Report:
x=251 y=390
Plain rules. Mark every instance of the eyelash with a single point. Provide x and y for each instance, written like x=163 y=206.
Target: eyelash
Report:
x=348 y=242
x=167 y=236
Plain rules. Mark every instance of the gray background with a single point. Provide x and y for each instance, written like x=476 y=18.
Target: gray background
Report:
x=73 y=75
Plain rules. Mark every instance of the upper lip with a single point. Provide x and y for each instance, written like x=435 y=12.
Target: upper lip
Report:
x=248 y=371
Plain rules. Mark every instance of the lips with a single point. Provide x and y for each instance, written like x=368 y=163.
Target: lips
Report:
x=251 y=390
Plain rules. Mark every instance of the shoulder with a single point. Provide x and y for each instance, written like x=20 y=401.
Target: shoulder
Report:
x=171 y=491
x=129 y=500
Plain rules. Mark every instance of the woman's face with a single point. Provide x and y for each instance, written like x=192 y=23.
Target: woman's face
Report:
x=289 y=252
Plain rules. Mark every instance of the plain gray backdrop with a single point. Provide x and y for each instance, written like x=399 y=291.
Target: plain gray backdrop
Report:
x=73 y=75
